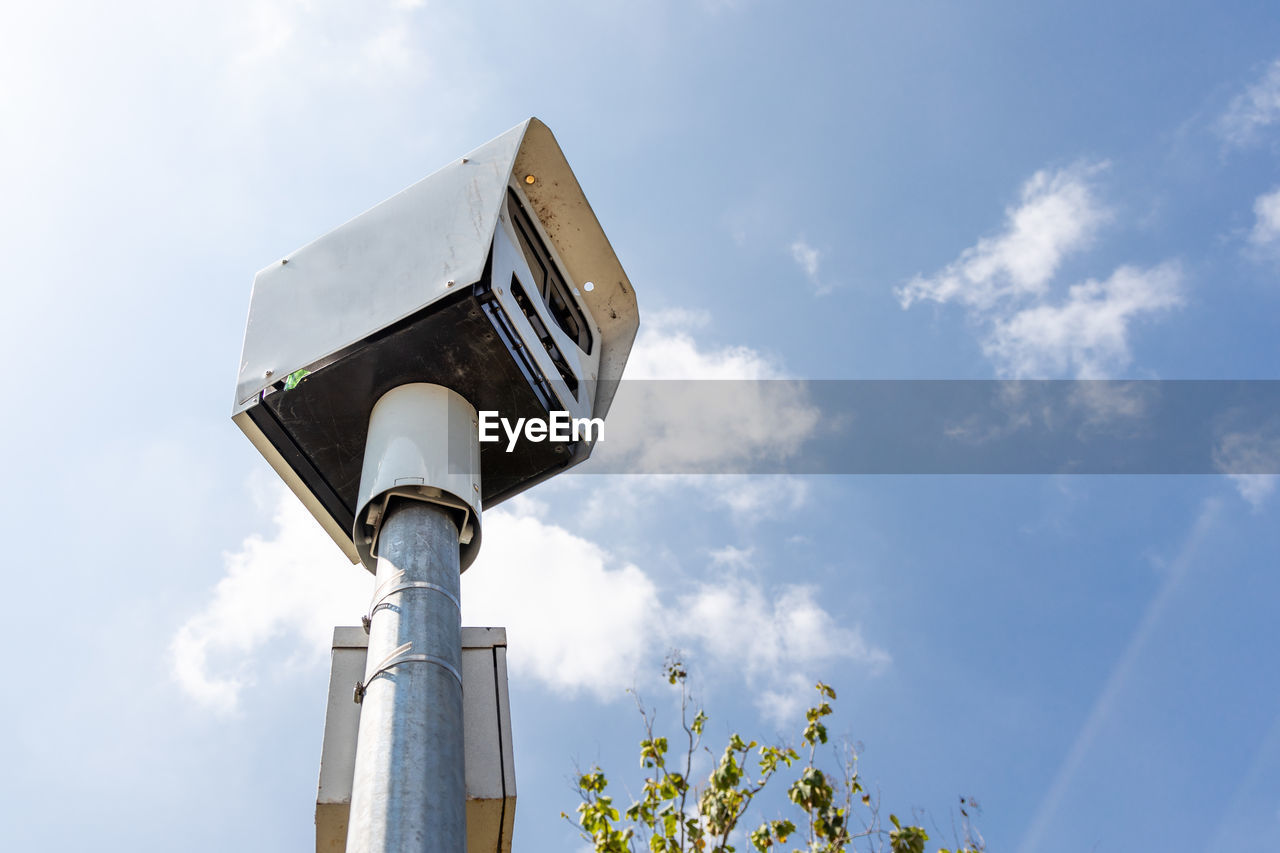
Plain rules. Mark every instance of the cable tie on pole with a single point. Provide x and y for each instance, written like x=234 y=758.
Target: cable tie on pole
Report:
x=391 y=587
x=396 y=658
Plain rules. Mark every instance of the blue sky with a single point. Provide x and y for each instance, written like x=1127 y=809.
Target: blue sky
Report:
x=907 y=190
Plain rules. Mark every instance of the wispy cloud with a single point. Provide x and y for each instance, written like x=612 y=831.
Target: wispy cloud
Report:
x=581 y=623
x=809 y=260
x=1087 y=334
x=1255 y=488
x=580 y=620
x=1257 y=450
x=281 y=43
x=702 y=426
x=1253 y=110
x=1058 y=213
x=731 y=557
x=778 y=638
x=290 y=586
x=1005 y=282
x=1266 y=226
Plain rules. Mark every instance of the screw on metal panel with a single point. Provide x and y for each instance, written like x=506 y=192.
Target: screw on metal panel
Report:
x=474 y=486
x=358 y=694
x=284 y=260
x=267 y=373
x=449 y=283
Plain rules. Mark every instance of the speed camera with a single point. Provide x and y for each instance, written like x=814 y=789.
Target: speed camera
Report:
x=491 y=279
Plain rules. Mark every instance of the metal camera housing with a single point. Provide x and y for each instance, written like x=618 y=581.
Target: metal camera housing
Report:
x=491 y=278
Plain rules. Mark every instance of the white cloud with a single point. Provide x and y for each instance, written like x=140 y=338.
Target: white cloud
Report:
x=732 y=557
x=666 y=349
x=239 y=59
x=1005 y=283
x=574 y=620
x=703 y=426
x=294 y=586
x=779 y=420
x=1266 y=226
x=706 y=427
x=1088 y=333
x=1255 y=488
x=752 y=498
x=806 y=256
x=1254 y=109
x=778 y=638
x=579 y=620
x=809 y=260
x=1238 y=453
x=579 y=623
x=300 y=46
x=1058 y=213
x=1107 y=403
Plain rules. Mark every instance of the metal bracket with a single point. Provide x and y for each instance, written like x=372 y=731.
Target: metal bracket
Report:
x=398 y=657
x=391 y=586
x=427 y=494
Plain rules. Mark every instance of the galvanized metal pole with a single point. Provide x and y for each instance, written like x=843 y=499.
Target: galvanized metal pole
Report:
x=409 y=793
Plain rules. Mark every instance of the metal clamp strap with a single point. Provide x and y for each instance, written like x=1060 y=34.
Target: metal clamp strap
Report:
x=391 y=587
x=398 y=657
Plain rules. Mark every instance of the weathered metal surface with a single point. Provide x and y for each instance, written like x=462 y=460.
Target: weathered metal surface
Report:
x=401 y=255
x=488 y=753
x=409 y=788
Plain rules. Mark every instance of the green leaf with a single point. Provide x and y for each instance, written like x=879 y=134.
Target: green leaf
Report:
x=292 y=380
x=909 y=839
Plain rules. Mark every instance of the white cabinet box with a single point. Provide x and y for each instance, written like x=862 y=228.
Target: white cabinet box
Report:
x=491 y=778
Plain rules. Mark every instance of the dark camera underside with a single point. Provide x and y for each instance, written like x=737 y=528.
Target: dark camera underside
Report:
x=466 y=343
